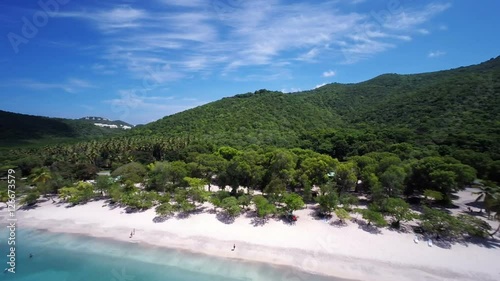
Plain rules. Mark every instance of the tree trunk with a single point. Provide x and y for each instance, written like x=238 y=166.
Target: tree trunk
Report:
x=493 y=234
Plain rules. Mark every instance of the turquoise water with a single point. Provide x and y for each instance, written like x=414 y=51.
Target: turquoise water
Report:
x=71 y=257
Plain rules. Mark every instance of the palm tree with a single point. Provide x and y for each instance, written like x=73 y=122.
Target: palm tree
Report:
x=489 y=193
x=4 y=197
x=496 y=208
x=41 y=175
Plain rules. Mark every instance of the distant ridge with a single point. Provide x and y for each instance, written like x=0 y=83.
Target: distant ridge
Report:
x=21 y=129
x=104 y=122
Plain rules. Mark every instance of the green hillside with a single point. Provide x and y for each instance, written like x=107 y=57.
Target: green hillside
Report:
x=21 y=129
x=262 y=117
x=430 y=108
x=446 y=113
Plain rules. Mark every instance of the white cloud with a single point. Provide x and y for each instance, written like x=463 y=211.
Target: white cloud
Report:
x=291 y=90
x=443 y=27
x=72 y=85
x=142 y=108
x=200 y=37
x=102 y=69
x=435 y=54
x=310 y=55
x=185 y=3
x=329 y=73
x=122 y=17
x=320 y=85
x=409 y=19
x=423 y=31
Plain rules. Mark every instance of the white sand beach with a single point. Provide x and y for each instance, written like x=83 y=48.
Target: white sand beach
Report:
x=310 y=245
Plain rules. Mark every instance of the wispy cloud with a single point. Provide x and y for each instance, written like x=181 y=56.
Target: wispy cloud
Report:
x=72 y=85
x=320 y=85
x=329 y=73
x=435 y=54
x=412 y=18
x=146 y=108
x=184 y=38
x=122 y=17
x=291 y=90
x=423 y=31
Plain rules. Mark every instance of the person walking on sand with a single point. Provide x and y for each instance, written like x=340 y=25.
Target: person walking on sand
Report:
x=234 y=247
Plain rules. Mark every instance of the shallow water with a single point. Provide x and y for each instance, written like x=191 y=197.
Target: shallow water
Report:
x=73 y=257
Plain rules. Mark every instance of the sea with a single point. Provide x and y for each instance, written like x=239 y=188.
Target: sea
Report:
x=57 y=256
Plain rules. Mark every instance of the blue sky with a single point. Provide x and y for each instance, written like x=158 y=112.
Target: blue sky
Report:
x=141 y=60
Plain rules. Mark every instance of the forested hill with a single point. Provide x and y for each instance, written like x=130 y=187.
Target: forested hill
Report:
x=452 y=107
x=21 y=129
x=262 y=117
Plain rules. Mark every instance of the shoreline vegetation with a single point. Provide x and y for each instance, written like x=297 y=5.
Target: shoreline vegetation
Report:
x=379 y=216
x=311 y=244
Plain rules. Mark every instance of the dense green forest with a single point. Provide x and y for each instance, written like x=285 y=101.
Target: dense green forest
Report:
x=454 y=113
x=21 y=129
x=396 y=139
x=430 y=108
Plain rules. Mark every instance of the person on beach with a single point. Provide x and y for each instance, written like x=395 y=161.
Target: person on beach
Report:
x=234 y=247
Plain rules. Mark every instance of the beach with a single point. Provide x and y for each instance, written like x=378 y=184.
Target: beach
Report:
x=310 y=245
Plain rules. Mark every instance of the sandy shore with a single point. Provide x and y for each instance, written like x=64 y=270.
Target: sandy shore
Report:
x=310 y=245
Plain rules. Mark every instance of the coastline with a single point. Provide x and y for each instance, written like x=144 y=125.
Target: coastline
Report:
x=311 y=245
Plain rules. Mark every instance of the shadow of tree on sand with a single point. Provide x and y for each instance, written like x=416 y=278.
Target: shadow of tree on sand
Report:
x=401 y=229
x=160 y=219
x=256 y=221
x=184 y=215
x=318 y=215
x=29 y=207
x=490 y=243
x=225 y=218
x=338 y=223
x=368 y=228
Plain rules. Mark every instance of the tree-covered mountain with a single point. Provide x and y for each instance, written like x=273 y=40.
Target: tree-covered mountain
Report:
x=445 y=113
x=19 y=129
x=452 y=113
x=455 y=106
x=262 y=117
